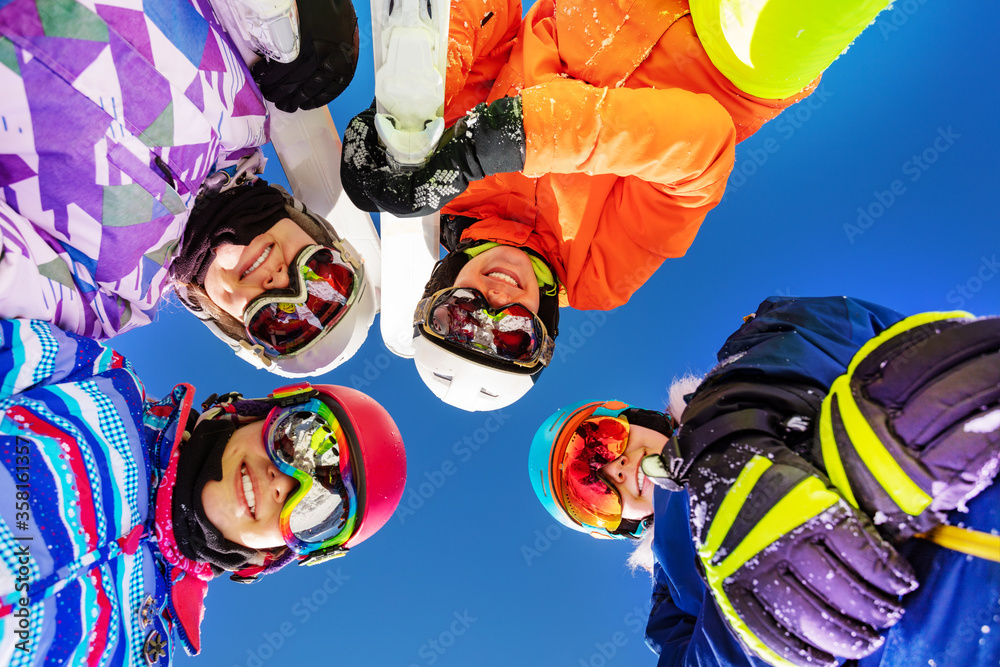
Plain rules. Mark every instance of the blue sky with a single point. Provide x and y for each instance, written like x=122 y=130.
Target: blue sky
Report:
x=471 y=570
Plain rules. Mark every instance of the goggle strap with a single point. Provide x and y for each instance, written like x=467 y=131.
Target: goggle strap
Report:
x=323 y=555
x=295 y=394
x=216 y=399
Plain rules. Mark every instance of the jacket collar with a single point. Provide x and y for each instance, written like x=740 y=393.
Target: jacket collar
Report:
x=187 y=579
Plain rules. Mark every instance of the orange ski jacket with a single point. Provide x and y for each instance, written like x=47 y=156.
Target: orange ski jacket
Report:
x=630 y=134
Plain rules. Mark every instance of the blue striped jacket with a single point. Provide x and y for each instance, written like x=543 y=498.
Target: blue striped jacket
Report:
x=84 y=526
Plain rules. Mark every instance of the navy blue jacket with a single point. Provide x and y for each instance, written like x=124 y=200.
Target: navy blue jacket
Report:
x=953 y=619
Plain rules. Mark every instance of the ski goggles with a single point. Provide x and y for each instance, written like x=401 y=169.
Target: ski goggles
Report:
x=577 y=481
x=309 y=443
x=465 y=320
x=324 y=283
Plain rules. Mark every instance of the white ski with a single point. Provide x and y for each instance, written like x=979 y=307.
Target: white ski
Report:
x=410 y=40
x=308 y=146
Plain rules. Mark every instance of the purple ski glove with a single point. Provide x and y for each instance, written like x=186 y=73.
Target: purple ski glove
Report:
x=912 y=430
x=801 y=577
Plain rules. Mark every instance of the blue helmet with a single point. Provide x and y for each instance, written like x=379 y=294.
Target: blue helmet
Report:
x=547 y=448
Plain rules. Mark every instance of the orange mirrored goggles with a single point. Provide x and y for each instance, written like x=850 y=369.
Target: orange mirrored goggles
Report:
x=576 y=474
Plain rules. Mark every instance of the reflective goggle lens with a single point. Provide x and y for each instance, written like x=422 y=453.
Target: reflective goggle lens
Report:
x=583 y=492
x=464 y=317
x=308 y=443
x=285 y=321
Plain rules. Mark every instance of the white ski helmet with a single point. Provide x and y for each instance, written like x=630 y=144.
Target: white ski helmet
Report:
x=336 y=343
x=467 y=384
x=475 y=375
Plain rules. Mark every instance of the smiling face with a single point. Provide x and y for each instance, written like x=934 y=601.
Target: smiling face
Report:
x=246 y=505
x=504 y=275
x=241 y=273
x=625 y=475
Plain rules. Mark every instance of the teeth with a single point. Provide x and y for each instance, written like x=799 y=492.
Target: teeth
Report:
x=641 y=479
x=248 y=490
x=504 y=277
x=260 y=260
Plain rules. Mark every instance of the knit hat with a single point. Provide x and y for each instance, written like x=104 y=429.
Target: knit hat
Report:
x=236 y=216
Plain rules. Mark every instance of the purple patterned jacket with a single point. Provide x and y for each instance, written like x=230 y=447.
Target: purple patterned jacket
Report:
x=110 y=118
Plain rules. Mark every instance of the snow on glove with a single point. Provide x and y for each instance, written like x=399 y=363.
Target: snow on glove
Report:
x=912 y=429
x=328 y=56
x=489 y=140
x=800 y=576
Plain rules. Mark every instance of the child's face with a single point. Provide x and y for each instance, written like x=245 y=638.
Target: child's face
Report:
x=237 y=275
x=624 y=474
x=246 y=505
x=504 y=275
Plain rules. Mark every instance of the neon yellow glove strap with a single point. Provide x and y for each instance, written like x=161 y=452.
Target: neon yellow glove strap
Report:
x=831 y=454
x=805 y=501
x=911 y=322
x=904 y=492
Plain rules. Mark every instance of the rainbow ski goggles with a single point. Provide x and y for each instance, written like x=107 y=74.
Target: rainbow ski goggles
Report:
x=577 y=482
x=324 y=282
x=463 y=319
x=309 y=443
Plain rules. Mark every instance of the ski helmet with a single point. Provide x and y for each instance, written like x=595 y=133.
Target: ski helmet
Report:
x=320 y=348
x=345 y=452
x=559 y=486
x=474 y=356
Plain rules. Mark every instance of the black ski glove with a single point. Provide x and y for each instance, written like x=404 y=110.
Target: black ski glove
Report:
x=912 y=430
x=328 y=56
x=800 y=576
x=489 y=140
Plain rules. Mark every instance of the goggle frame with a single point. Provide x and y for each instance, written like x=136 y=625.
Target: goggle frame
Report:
x=422 y=324
x=301 y=295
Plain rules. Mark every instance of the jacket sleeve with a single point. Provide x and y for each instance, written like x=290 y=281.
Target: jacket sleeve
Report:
x=682 y=141
x=685 y=628
x=34 y=353
x=481 y=34
x=682 y=640
x=652 y=163
x=669 y=629
x=800 y=340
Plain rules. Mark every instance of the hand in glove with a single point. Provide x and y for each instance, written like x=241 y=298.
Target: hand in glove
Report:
x=328 y=56
x=913 y=428
x=800 y=576
x=489 y=140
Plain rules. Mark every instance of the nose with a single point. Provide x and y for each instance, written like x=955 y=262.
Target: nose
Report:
x=280 y=485
x=615 y=470
x=498 y=298
x=277 y=279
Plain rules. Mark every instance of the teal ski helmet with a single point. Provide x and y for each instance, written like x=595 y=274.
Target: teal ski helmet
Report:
x=545 y=467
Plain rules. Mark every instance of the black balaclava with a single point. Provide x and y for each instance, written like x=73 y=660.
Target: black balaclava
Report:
x=200 y=461
x=660 y=422
x=236 y=216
